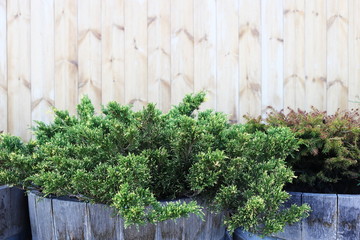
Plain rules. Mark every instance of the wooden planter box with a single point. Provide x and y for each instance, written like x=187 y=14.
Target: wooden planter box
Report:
x=65 y=219
x=14 y=216
x=333 y=216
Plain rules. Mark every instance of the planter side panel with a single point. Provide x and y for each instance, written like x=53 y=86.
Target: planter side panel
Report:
x=76 y=220
x=292 y=231
x=44 y=218
x=146 y=232
x=215 y=230
x=349 y=217
x=14 y=218
x=5 y=216
x=322 y=222
x=69 y=220
x=170 y=229
x=32 y=213
x=101 y=223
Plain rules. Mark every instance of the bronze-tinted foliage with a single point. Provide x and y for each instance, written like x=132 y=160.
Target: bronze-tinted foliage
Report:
x=329 y=155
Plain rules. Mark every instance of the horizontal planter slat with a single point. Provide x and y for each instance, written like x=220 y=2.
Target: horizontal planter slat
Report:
x=79 y=220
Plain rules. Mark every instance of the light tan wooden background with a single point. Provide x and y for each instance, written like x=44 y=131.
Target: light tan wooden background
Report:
x=248 y=54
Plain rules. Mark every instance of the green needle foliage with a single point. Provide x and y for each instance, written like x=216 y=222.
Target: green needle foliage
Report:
x=16 y=163
x=134 y=161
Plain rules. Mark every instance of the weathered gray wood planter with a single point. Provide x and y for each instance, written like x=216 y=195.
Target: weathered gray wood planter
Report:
x=14 y=216
x=333 y=216
x=64 y=219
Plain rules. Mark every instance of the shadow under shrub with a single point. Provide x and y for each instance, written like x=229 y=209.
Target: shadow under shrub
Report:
x=328 y=159
x=132 y=160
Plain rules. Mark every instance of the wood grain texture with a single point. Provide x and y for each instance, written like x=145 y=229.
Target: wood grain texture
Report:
x=78 y=220
x=69 y=219
x=249 y=58
x=5 y=213
x=159 y=50
x=42 y=60
x=101 y=222
x=44 y=219
x=205 y=50
x=337 y=57
x=113 y=51
x=227 y=94
x=13 y=214
x=322 y=222
x=19 y=86
x=272 y=43
x=348 y=217
x=315 y=54
x=32 y=215
x=89 y=50
x=3 y=67
x=354 y=54
x=294 y=44
x=66 y=55
x=136 y=53
x=182 y=49
x=247 y=55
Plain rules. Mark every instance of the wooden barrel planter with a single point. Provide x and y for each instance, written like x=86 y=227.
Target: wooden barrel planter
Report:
x=333 y=216
x=65 y=219
x=14 y=216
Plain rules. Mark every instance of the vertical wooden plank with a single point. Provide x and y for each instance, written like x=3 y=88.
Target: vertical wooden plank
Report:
x=42 y=59
x=159 y=48
x=5 y=212
x=19 y=213
x=113 y=77
x=101 y=223
x=32 y=215
x=144 y=232
x=18 y=44
x=249 y=58
x=3 y=67
x=348 y=217
x=294 y=68
x=41 y=216
x=227 y=58
x=337 y=57
x=66 y=57
x=182 y=49
x=44 y=218
x=205 y=50
x=292 y=232
x=315 y=54
x=354 y=54
x=69 y=219
x=215 y=228
x=89 y=54
x=322 y=222
x=272 y=44
x=136 y=53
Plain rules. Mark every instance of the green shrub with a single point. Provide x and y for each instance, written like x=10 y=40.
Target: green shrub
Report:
x=16 y=163
x=248 y=177
x=133 y=160
x=329 y=154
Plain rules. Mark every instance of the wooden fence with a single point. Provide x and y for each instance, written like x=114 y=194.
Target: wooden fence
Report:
x=248 y=54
